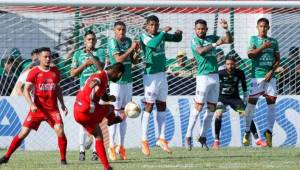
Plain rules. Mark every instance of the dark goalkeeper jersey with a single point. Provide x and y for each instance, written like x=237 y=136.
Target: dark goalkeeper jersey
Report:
x=229 y=83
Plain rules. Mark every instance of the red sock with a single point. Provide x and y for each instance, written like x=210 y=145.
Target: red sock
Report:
x=101 y=153
x=16 y=142
x=62 y=145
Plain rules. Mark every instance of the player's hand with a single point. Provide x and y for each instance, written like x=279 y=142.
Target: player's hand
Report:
x=178 y=32
x=88 y=62
x=135 y=45
x=33 y=108
x=267 y=44
x=220 y=42
x=112 y=98
x=268 y=76
x=167 y=29
x=64 y=109
x=224 y=24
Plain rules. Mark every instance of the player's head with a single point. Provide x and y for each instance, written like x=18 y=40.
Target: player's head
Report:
x=262 y=26
x=90 y=40
x=115 y=71
x=120 y=30
x=152 y=24
x=44 y=55
x=34 y=57
x=230 y=63
x=200 y=28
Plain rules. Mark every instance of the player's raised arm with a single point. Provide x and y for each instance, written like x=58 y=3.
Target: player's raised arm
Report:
x=128 y=53
x=176 y=37
x=227 y=39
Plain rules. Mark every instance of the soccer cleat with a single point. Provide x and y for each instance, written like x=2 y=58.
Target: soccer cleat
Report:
x=122 y=152
x=94 y=156
x=3 y=160
x=117 y=119
x=163 y=144
x=109 y=168
x=82 y=156
x=260 y=142
x=216 y=144
x=145 y=148
x=63 y=162
x=246 y=139
x=202 y=141
x=268 y=136
x=112 y=153
x=188 y=141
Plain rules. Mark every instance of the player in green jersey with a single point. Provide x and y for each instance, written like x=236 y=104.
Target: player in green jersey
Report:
x=264 y=54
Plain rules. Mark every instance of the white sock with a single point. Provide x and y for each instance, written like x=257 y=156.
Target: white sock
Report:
x=161 y=123
x=112 y=134
x=250 y=108
x=145 y=123
x=208 y=115
x=192 y=121
x=94 y=145
x=271 y=116
x=122 y=129
x=82 y=137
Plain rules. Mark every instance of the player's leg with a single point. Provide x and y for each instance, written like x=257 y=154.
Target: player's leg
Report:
x=82 y=138
x=199 y=100
x=212 y=99
x=218 y=123
x=100 y=149
x=62 y=141
x=271 y=96
x=16 y=142
x=150 y=97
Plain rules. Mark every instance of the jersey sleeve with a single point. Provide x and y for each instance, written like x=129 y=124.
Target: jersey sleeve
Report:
x=113 y=47
x=31 y=76
x=195 y=44
x=215 y=38
x=152 y=42
x=75 y=62
x=173 y=37
x=251 y=44
x=101 y=55
x=276 y=47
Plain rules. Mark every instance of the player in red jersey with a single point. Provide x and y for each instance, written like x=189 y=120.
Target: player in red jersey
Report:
x=89 y=113
x=45 y=80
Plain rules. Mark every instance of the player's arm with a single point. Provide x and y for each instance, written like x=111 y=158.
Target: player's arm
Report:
x=176 y=37
x=276 y=63
x=61 y=99
x=128 y=53
x=19 y=88
x=76 y=69
x=155 y=41
x=254 y=51
x=28 y=98
x=96 y=62
x=227 y=39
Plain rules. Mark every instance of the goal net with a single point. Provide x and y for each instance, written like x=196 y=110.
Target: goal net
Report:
x=24 y=28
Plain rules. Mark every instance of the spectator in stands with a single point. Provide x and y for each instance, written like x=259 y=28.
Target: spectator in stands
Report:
x=182 y=67
x=10 y=72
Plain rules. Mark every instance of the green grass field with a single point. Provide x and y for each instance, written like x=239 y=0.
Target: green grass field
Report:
x=181 y=159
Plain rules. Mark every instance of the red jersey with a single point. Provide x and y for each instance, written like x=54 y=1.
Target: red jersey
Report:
x=88 y=97
x=44 y=83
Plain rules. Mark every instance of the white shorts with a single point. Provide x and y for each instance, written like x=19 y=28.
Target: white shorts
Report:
x=156 y=87
x=207 y=88
x=122 y=92
x=259 y=87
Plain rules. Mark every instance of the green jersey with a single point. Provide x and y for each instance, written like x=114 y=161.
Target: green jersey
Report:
x=80 y=56
x=263 y=63
x=153 y=47
x=207 y=62
x=120 y=47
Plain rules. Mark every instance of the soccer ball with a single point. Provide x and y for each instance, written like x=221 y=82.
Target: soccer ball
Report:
x=132 y=110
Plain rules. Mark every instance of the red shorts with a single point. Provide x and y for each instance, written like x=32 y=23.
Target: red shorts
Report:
x=90 y=120
x=34 y=119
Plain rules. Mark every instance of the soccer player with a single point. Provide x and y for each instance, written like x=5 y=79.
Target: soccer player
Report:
x=207 y=80
x=155 y=81
x=230 y=77
x=85 y=62
x=89 y=113
x=264 y=54
x=121 y=49
x=45 y=80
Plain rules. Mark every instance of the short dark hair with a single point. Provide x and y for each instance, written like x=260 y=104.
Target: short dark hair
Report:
x=201 y=21
x=152 y=18
x=88 y=32
x=42 y=49
x=34 y=51
x=117 y=67
x=119 y=23
x=265 y=20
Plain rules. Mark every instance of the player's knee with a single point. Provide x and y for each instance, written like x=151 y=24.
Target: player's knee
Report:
x=211 y=107
x=59 y=130
x=161 y=106
x=24 y=132
x=148 y=107
x=199 y=107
